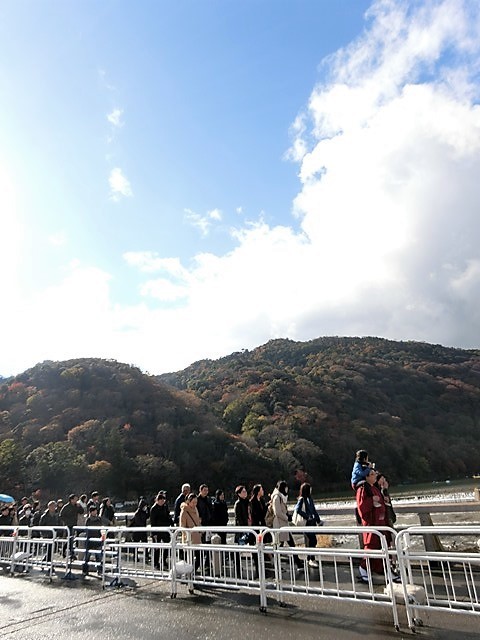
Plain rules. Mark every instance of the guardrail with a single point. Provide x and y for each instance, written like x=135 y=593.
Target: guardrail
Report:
x=24 y=548
x=256 y=561
x=439 y=580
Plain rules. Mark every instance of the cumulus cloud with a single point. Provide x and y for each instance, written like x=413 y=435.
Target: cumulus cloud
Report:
x=389 y=150
x=119 y=185
x=388 y=153
x=203 y=223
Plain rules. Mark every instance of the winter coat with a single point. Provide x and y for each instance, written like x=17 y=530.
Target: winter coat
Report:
x=241 y=512
x=280 y=513
x=69 y=514
x=372 y=510
x=139 y=519
x=205 y=510
x=49 y=519
x=258 y=509
x=176 y=508
x=220 y=513
x=359 y=472
x=306 y=508
x=189 y=518
x=160 y=516
x=107 y=514
x=81 y=517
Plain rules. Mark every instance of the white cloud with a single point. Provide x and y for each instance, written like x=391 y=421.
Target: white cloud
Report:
x=203 y=223
x=389 y=152
x=150 y=262
x=115 y=118
x=119 y=185
x=164 y=290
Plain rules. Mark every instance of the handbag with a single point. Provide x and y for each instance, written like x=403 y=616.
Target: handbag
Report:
x=298 y=520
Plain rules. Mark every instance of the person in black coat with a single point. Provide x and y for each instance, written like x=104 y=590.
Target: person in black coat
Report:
x=258 y=507
x=241 y=509
x=139 y=519
x=107 y=512
x=220 y=513
x=160 y=517
x=93 y=540
x=204 y=508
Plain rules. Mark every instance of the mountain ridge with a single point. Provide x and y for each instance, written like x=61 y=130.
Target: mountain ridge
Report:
x=252 y=416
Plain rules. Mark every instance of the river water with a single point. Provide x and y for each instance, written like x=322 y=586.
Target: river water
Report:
x=454 y=491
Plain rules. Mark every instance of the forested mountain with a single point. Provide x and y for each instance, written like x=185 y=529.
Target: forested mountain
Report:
x=414 y=406
x=251 y=416
x=91 y=423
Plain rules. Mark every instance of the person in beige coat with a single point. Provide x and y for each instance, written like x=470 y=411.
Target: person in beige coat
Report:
x=280 y=516
x=190 y=518
x=280 y=509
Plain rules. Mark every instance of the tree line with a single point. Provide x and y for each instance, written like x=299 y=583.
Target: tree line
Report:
x=252 y=416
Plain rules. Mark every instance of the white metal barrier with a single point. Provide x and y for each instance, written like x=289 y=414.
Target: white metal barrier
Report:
x=25 y=548
x=252 y=560
x=447 y=580
x=439 y=580
x=168 y=554
x=331 y=572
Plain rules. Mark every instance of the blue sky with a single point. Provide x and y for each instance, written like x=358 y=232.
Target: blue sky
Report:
x=180 y=180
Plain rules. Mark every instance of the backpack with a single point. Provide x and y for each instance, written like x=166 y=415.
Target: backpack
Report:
x=269 y=516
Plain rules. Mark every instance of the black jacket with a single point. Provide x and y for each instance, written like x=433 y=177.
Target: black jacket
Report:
x=241 y=512
x=258 y=509
x=160 y=516
x=220 y=513
x=204 y=507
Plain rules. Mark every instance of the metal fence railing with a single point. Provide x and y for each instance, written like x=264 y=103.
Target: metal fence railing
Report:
x=447 y=580
x=257 y=561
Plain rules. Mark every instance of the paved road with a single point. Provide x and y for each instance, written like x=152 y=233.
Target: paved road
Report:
x=32 y=609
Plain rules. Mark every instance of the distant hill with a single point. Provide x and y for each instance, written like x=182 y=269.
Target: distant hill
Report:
x=253 y=416
x=414 y=406
x=89 y=423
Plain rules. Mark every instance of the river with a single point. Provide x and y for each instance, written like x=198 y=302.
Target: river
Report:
x=448 y=491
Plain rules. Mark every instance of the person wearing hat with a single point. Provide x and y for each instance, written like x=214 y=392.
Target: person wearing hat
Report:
x=93 y=541
x=160 y=517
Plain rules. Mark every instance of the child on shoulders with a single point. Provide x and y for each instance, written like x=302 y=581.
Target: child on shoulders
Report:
x=361 y=468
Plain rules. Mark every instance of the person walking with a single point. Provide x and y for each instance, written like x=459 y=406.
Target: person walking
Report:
x=305 y=507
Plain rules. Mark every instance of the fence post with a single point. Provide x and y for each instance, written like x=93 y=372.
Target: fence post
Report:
x=261 y=572
x=430 y=540
x=14 y=550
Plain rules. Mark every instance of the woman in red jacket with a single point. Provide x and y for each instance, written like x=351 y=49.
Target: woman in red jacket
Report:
x=373 y=513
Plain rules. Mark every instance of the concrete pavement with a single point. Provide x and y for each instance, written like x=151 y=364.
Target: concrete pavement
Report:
x=31 y=608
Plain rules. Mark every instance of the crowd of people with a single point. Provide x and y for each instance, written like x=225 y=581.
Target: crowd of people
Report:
x=193 y=509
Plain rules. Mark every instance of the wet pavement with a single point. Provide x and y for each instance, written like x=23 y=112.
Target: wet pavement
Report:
x=33 y=608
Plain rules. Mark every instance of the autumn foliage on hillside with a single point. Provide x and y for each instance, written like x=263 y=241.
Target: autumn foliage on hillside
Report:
x=414 y=406
x=252 y=416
